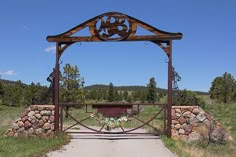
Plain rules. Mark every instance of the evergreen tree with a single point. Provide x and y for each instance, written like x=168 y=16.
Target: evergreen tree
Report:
x=152 y=90
x=223 y=88
x=72 y=85
x=1 y=89
x=125 y=95
x=143 y=96
x=111 y=93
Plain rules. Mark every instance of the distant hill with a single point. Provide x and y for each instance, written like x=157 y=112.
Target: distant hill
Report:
x=102 y=86
x=9 y=82
x=119 y=88
x=131 y=88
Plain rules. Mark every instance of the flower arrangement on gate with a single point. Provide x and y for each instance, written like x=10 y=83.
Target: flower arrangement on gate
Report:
x=110 y=122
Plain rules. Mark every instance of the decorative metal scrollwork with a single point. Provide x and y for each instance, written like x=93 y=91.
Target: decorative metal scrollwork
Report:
x=176 y=78
x=112 y=27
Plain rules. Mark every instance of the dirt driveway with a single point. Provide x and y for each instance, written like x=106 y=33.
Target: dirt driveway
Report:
x=113 y=146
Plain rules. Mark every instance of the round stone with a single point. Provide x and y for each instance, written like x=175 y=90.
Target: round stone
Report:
x=175 y=122
x=196 y=111
x=38 y=116
x=45 y=118
x=46 y=113
x=201 y=116
x=177 y=126
x=46 y=126
x=31 y=113
x=184 y=126
x=20 y=123
x=32 y=119
x=178 y=110
x=177 y=114
x=27 y=124
x=31 y=131
x=41 y=122
x=15 y=126
x=182 y=120
x=181 y=131
x=51 y=118
x=189 y=128
x=38 y=131
x=187 y=114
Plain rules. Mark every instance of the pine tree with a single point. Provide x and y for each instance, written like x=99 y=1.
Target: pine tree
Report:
x=152 y=90
x=72 y=85
x=111 y=93
x=125 y=95
x=223 y=88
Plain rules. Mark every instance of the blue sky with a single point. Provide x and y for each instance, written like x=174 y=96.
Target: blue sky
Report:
x=206 y=51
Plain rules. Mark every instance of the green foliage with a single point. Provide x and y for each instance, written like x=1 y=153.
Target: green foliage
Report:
x=152 y=90
x=1 y=89
x=72 y=84
x=20 y=94
x=22 y=147
x=223 y=88
x=111 y=93
x=185 y=97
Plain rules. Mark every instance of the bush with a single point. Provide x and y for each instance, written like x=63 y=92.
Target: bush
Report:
x=185 y=97
x=213 y=133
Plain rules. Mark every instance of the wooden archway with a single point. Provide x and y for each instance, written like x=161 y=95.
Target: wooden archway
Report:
x=114 y=26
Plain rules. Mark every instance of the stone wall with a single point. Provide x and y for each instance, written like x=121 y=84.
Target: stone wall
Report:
x=186 y=121
x=37 y=120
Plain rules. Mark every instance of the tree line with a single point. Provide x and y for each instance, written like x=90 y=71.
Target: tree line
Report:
x=20 y=94
x=223 y=90
x=114 y=94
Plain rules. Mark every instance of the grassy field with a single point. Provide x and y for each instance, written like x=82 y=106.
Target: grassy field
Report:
x=24 y=147
x=21 y=147
x=147 y=113
x=223 y=113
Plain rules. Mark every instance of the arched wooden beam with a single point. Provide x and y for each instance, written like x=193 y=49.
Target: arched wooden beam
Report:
x=114 y=24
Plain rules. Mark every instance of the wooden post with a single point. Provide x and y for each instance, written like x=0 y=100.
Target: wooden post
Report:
x=170 y=73
x=56 y=88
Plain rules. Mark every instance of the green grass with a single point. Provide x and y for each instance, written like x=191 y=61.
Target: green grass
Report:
x=184 y=149
x=23 y=147
x=225 y=114
x=145 y=115
x=9 y=114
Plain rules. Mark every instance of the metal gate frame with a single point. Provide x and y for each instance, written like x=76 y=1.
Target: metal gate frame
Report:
x=112 y=108
x=114 y=26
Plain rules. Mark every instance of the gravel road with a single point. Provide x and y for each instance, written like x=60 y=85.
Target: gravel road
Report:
x=113 y=146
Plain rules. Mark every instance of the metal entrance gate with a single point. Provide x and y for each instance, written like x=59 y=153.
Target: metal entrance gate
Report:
x=114 y=118
x=114 y=26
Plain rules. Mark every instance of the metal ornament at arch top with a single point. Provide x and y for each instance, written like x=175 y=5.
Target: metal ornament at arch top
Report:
x=112 y=27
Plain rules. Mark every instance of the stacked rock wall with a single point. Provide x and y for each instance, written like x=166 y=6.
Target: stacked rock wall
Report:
x=186 y=121
x=37 y=120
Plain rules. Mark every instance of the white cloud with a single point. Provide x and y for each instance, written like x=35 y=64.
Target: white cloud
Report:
x=7 y=73
x=50 y=49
